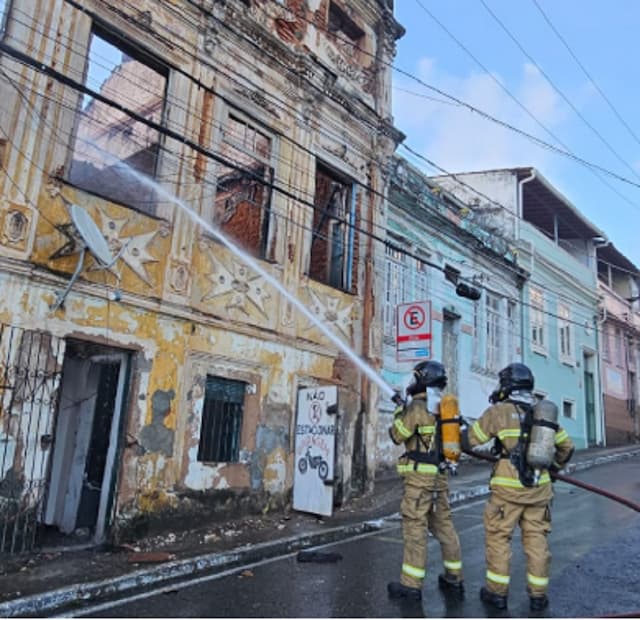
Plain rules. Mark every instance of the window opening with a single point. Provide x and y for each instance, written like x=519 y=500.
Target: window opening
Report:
x=243 y=197
x=221 y=427
x=564 y=327
x=395 y=272
x=512 y=330
x=340 y=23
x=477 y=333
x=108 y=138
x=536 y=312
x=332 y=241
x=567 y=409
x=494 y=336
x=606 y=344
x=619 y=347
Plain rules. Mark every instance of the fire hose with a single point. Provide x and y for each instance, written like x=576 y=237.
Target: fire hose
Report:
x=556 y=476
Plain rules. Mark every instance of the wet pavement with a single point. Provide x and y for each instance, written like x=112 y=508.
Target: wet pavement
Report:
x=42 y=583
x=596 y=569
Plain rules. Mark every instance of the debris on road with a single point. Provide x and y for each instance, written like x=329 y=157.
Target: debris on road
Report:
x=318 y=556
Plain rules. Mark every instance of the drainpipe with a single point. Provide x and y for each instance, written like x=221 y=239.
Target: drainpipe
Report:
x=519 y=212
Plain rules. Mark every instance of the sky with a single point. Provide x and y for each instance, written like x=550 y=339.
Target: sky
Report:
x=603 y=36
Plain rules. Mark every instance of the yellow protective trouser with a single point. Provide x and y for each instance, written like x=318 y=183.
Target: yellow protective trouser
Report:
x=422 y=508
x=500 y=519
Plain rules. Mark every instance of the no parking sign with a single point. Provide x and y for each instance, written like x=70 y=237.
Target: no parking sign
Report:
x=413 y=331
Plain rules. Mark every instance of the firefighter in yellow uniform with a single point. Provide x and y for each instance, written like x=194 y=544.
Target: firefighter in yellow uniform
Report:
x=425 y=502
x=518 y=495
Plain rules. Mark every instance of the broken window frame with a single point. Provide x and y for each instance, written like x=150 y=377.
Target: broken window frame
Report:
x=338 y=276
x=217 y=442
x=267 y=235
x=149 y=204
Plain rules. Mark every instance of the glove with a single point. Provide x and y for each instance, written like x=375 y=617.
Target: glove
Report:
x=398 y=411
x=397 y=399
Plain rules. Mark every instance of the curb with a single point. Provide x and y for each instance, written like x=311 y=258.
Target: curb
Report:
x=38 y=604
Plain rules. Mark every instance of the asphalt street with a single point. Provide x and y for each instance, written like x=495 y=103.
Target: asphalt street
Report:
x=596 y=569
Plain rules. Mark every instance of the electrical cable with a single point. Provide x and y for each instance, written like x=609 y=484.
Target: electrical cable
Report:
x=442 y=93
x=517 y=101
x=564 y=97
x=428 y=161
x=573 y=300
x=584 y=70
x=421 y=259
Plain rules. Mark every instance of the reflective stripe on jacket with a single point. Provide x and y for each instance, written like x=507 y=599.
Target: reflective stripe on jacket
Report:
x=415 y=427
x=502 y=420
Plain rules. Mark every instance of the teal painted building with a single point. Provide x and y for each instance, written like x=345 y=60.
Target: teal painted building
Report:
x=434 y=243
x=558 y=304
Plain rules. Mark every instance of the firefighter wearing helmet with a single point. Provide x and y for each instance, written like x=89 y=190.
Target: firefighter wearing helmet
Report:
x=425 y=501
x=528 y=443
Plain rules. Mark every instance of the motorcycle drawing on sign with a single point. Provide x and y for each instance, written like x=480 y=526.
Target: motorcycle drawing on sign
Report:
x=314 y=462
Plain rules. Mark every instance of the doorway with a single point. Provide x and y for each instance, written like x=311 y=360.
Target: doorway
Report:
x=86 y=440
x=590 y=400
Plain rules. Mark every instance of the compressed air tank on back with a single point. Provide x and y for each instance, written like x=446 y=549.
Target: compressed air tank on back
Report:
x=542 y=446
x=450 y=425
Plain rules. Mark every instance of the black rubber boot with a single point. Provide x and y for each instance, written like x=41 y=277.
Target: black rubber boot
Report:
x=450 y=583
x=491 y=598
x=398 y=590
x=538 y=603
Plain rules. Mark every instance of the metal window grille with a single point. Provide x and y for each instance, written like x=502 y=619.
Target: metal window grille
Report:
x=221 y=420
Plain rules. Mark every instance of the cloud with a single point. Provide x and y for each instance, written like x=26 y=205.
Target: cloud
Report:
x=459 y=139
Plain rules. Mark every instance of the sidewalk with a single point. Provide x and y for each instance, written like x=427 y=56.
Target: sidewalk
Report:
x=53 y=579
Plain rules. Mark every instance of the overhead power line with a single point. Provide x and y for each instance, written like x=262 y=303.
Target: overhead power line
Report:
x=458 y=181
x=587 y=74
x=387 y=243
x=520 y=104
x=560 y=92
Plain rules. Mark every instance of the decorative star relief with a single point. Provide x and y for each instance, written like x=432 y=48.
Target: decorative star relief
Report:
x=243 y=289
x=329 y=312
x=135 y=253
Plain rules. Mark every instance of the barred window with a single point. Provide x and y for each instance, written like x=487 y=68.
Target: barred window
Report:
x=222 y=414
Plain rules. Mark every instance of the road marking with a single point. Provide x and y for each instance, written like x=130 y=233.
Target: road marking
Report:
x=78 y=613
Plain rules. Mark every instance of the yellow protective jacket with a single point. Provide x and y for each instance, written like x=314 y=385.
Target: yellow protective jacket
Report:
x=502 y=420
x=414 y=426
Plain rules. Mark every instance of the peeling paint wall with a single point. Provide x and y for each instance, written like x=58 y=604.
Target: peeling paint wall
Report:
x=181 y=303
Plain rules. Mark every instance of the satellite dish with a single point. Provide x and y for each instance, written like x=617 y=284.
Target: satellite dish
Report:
x=91 y=235
x=95 y=242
